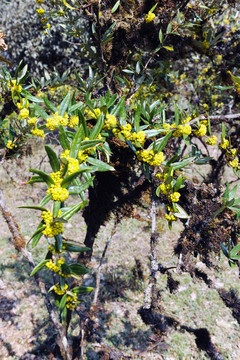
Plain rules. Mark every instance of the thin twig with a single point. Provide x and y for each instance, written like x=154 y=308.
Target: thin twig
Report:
x=20 y=245
x=101 y=263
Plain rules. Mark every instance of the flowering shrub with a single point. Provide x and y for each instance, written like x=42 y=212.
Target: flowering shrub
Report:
x=133 y=116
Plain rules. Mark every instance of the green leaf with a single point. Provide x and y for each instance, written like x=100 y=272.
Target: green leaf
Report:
x=30 y=97
x=82 y=289
x=180 y=213
x=74 y=248
x=115 y=7
x=179 y=182
x=45 y=200
x=63 y=138
x=58 y=242
x=63 y=302
x=136 y=122
x=64 y=104
x=98 y=127
x=116 y=109
x=56 y=208
x=68 y=179
x=73 y=210
x=41 y=112
x=169 y=28
x=46 y=178
x=225 y=250
x=77 y=189
x=75 y=107
x=160 y=144
x=33 y=207
x=161 y=36
x=22 y=74
x=182 y=164
x=107 y=33
x=53 y=159
x=235 y=250
x=78 y=269
x=50 y=105
x=76 y=143
x=38 y=267
x=122 y=114
x=100 y=165
x=232 y=193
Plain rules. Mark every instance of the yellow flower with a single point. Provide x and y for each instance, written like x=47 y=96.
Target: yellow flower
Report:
x=32 y=121
x=211 y=140
x=38 y=132
x=14 y=86
x=93 y=114
x=174 y=197
x=58 y=290
x=224 y=144
x=24 y=113
x=233 y=163
x=201 y=131
x=10 y=145
x=111 y=122
x=149 y=17
x=58 y=193
x=73 y=121
x=231 y=152
x=40 y=11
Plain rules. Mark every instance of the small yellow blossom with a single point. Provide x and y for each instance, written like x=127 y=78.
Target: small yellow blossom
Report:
x=10 y=145
x=93 y=114
x=24 y=113
x=211 y=140
x=38 y=132
x=40 y=11
x=234 y=163
x=201 y=131
x=32 y=121
x=224 y=144
x=111 y=122
x=14 y=86
x=73 y=121
x=149 y=17
x=58 y=290
x=231 y=152
x=174 y=197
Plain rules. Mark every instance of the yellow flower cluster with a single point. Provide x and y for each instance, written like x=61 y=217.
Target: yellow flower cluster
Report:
x=224 y=144
x=14 y=86
x=58 y=193
x=38 y=132
x=54 y=121
x=24 y=113
x=40 y=11
x=73 y=121
x=10 y=145
x=71 y=302
x=211 y=140
x=182 y=130
x=52 y=249
x=58 y=290
x=149 y=157
x=165 y=189
x=21 y=105
x=39 y=1
x=93 y=114
x=52 y=266
x=149 y=17
x=73 y=164
x=170 y=217
x=126 y=131
x=234 y=163
x=111 y=122
x=201 y=131
x=32 y=121
x=174 y=197
x=231 y=152
x=54 y=229
x=82 y=157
